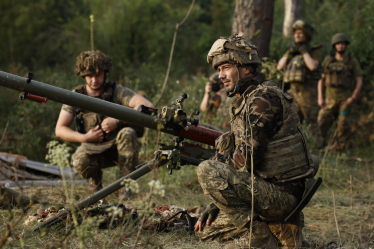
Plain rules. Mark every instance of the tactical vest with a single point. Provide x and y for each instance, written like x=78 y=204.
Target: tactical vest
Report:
x=287 y=157
x=298 y=72
x=86 y=120
x=339 y=73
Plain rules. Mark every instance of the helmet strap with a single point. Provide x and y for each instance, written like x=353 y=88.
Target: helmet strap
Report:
x=239 y=84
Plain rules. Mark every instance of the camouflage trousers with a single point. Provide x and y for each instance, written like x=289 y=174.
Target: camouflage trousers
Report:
x=305 y=99
x=230 y=190
x=335 y=110
x=123 y=153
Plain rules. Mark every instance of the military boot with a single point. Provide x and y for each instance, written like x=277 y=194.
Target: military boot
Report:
x=289 y=234
x=262 y=237
x=95 y=184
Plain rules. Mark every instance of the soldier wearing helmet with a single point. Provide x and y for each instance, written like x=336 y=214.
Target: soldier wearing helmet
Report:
x=338 y=89
x=301 y=64
x=105 y=141
x=265 y=136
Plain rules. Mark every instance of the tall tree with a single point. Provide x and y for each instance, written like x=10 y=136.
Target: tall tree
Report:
x=292 y=12
x=255 y=19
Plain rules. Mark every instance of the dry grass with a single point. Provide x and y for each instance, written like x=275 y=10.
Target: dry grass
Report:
x=348 y=177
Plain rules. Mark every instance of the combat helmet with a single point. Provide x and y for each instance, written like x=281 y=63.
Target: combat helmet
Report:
x=304 y=26
x=339 y=37
x=90 y=62
x=235 y=50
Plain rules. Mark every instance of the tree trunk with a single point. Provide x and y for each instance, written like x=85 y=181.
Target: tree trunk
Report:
x=292 y=12
x=255 y=19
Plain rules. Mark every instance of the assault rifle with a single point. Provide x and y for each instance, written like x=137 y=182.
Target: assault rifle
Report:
x=171 y=120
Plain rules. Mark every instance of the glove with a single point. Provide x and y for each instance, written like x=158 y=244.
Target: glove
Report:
x=210 y=213
x=290 y=52
x=302 y=47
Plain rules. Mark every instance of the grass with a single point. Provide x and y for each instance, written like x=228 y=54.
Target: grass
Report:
x=354 y=211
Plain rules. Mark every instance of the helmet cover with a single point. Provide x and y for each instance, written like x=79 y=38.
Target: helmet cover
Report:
x=235 y=50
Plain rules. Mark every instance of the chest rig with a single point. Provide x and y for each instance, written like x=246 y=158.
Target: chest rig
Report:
x=298 y=72
x=286 y=157
x=86 y=120
x=339 y=73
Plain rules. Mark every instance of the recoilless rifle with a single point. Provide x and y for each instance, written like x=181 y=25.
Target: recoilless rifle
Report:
x=172 y=120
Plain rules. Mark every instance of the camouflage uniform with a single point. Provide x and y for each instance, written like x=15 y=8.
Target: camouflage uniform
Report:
x=264 y=124
x=228 y=183
x=339 y=82
x=304 y=84
x=120 y=147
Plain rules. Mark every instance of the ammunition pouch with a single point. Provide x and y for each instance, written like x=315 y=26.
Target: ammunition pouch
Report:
x=295 y=70
x=338 y=75
x=298 y=72
x=225 y=144
x=287 y=159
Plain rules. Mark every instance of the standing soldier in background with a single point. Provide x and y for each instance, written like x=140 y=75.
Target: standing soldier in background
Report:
x=302 y=71
x=105 y=141
x=341 y=81
x=215 y=103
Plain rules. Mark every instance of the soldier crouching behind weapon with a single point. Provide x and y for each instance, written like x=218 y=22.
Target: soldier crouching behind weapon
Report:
x=264 y=123
x=105 y=141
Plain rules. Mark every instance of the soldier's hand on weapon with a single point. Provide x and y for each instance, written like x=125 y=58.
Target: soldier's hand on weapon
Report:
x=321 y=102
x=208 y=87
x=95 y=135
x=208 y=216
x=109 y=124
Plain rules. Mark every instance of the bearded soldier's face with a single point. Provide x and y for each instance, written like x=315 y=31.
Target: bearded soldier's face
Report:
x=228 y=73
x=95 y=80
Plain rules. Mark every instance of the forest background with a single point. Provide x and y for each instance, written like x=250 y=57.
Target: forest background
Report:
x=45 y=37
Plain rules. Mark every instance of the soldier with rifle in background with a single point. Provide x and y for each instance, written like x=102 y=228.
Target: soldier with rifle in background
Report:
x=301 y=64
x=105 y=141
x=341 y=82
x=266 y=138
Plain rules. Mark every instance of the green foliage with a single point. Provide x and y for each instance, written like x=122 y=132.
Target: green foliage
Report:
x=354 y=18
x=58 y=154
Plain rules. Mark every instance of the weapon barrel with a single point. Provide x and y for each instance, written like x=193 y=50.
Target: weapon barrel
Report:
x=57 y=94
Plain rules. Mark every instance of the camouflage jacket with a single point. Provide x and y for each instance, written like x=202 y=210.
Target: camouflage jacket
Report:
x=266 y=116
